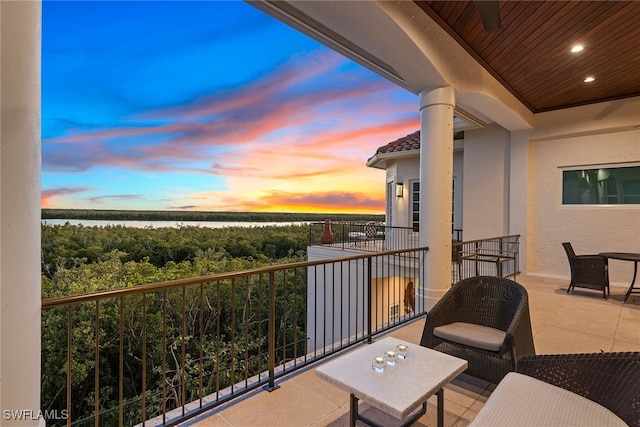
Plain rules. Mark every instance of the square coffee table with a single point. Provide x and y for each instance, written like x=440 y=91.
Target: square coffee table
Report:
x=398 y=390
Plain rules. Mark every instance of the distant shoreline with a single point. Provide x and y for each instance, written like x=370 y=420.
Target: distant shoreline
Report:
x=97 y=214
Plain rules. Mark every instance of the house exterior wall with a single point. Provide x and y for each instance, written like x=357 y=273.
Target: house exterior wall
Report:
x=486 y=182
x=511 y=185
x=519 y=194
x=336 y=301
x=20 y=276
x=458 y=201
x=337 y=295
x=590 y=229
x=407 y=170
x=593 y=134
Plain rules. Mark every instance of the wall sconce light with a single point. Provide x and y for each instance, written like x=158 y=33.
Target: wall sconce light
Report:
x=399 y=189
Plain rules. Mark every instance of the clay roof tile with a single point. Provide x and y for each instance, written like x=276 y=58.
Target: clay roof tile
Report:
x=409 y=142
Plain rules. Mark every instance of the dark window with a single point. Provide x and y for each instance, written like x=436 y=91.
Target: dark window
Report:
x=601 y=186
x=415 y=206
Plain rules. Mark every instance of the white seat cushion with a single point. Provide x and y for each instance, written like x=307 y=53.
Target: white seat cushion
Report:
x=523 y=401
x=472 y=335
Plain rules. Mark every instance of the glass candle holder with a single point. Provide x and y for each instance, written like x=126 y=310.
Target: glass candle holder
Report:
x=403 y=351
x=377 y=364
x=391 y=357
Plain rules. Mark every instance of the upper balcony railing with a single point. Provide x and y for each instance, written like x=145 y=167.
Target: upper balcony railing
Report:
x=367 y=237
x=165 y=352
x=496 y=256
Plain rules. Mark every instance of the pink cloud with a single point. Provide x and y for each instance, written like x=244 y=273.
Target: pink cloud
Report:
x=293 y=128
x=47 y=195
x=330 y=153
x=230 y=119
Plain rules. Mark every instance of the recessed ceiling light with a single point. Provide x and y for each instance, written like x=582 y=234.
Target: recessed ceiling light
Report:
x=577 y=48
x=589 y=79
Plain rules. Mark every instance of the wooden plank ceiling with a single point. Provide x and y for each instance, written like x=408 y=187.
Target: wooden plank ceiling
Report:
x=530 y=53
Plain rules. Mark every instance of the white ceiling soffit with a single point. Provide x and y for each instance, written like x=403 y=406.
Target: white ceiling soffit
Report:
x=401 y=43
x=354 y=30
x=462 y=121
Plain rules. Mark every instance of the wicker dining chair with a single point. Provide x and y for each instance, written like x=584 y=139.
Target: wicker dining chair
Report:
x=609 y=379
x=484 y=320
x=587 y=271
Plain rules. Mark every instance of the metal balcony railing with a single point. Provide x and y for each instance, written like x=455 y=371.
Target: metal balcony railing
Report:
x=497 y=256
x=366 y=237
x=165 y=352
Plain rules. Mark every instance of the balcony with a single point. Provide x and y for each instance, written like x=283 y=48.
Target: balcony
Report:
x=558 y=327
x=497 y=256
x=361 y=237
x=369 y=236
x=201 y=349
x=166 y=352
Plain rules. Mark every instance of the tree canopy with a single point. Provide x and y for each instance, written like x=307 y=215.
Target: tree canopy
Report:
x=228 y=317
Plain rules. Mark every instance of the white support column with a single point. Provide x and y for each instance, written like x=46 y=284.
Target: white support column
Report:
x=20 y=299
x=436 y=175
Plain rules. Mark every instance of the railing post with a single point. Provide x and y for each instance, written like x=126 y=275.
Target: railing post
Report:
x=476 y=258
x=97 y=368
x=69 y=362
x=369 y=301
x=272 y=333
x=516 y=266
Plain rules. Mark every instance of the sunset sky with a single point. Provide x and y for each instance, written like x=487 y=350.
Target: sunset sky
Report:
x=207 y=106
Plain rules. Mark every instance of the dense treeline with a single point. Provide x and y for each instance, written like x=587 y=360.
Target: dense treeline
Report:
x=121 y=215
x=230 y=316
x=71 y=247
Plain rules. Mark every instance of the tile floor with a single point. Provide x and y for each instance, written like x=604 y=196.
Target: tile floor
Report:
x=578 y=323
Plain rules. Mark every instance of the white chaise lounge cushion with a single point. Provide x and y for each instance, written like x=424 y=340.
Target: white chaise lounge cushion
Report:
x=520 y=400
x=477 y=336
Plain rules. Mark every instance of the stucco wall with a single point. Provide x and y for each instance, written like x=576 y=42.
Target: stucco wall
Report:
x=486 y=183
x=458 y=175
x=407 y=170
x=512 y=186
x=20 y=274
x=589 y=229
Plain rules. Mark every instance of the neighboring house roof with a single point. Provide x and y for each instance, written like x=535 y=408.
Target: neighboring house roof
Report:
x=403 y=147
x=406 y=146
x=409 y=142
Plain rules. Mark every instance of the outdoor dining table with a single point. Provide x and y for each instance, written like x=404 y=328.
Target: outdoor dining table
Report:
x=625 y=256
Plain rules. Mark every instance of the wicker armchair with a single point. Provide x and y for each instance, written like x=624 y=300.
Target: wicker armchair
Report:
x=494 y=307
x=609 y=379
x=587 y=271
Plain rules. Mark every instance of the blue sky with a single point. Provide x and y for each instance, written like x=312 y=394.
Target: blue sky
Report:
x=209 y=106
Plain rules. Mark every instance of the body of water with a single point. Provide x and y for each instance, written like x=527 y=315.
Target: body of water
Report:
x=164 y=224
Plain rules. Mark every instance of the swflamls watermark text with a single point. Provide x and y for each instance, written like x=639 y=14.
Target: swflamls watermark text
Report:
x=30 y=414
